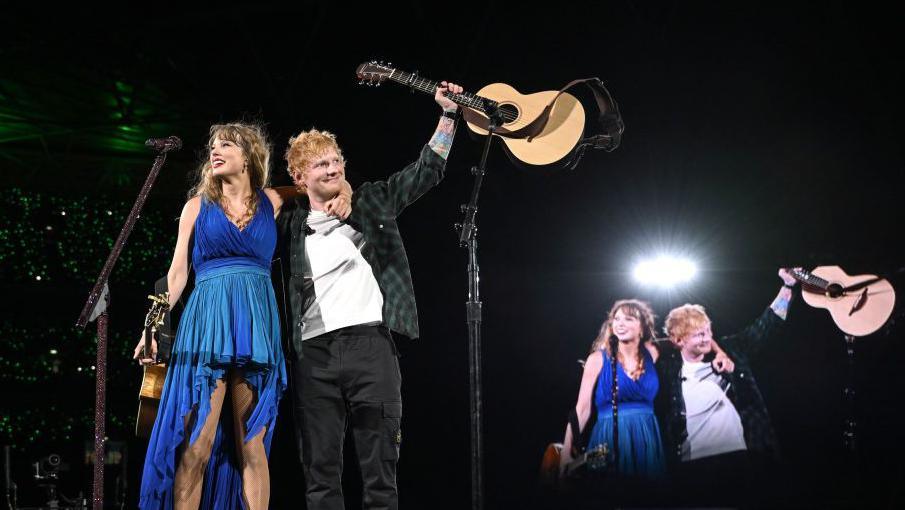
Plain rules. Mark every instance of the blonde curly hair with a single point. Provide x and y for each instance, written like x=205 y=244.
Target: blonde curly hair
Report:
x=256 y=149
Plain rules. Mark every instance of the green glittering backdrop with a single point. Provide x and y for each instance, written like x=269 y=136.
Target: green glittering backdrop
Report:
x=72 y=160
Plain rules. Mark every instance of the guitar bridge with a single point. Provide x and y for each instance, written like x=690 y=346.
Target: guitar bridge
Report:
x=859 y=303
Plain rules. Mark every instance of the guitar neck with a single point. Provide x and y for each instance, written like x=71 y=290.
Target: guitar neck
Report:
x=416 y=82
x=146 y=349
x=809 y=279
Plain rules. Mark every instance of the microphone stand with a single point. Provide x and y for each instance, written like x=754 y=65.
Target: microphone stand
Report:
x=849 y=424
x=96 y=309
x=9 y=485
x=468 y=239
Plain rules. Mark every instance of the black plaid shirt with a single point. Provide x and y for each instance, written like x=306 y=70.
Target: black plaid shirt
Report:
x=744 y=394
x=375 y=206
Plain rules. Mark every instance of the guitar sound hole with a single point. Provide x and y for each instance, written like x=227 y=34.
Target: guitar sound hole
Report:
x=834 y=290
x=509 y=112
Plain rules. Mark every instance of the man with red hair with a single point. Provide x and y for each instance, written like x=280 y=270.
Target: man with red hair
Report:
x=715 y=425
x=349 y=286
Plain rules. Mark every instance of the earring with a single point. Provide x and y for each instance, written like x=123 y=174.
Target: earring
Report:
x=245 y=167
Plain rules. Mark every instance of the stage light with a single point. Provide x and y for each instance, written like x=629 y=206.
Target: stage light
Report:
x=665 y=271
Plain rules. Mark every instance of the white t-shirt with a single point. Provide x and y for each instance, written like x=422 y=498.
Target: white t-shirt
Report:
x=713 y=424
x=345 y=290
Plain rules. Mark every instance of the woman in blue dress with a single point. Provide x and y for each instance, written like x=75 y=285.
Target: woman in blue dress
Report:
x=228 y=340
x=640 y=447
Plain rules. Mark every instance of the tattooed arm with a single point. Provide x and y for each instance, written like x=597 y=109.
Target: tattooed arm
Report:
x=442 y=140
x=780 y=305
x=751 y=339
x=413 y=181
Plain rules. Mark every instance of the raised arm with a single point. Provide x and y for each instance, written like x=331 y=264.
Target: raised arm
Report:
x=780 y=304
x=441 y=141
x=407 y=185
x=752 y=338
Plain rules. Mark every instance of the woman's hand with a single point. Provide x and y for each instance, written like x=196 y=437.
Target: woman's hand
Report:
x=139 y=351
x=565 y=458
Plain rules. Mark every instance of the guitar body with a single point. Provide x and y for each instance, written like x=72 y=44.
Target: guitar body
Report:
x=560 y=135
x=859 y=312
x=594 y=461
x=149 y=399
x=549 y=467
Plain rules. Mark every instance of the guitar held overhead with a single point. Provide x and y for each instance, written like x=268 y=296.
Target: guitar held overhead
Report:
x=539 y=129
x=859 y=305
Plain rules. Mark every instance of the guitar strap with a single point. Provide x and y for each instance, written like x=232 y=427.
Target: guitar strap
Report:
x=609 y=121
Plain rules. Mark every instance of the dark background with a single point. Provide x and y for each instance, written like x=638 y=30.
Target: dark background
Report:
x=757 y=136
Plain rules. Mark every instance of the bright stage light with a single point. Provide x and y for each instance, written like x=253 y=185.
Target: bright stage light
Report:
x=665 y=271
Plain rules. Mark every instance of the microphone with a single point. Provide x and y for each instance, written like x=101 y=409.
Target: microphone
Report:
x=308 y=230
x=170 y=143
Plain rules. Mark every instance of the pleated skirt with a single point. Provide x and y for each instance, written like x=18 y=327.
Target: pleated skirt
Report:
x=230 y=321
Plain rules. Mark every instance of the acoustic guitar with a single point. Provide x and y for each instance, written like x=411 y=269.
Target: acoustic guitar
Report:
x=154 y=375
x=859 y=305
x=595 y=460
x=558 y=138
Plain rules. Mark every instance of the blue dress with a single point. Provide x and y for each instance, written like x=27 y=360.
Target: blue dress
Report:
x=231 y=320
x=640 y=448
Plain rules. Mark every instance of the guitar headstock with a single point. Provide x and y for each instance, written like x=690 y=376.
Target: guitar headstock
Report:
x=160 y=305
x=373 y=72
x=799 y=274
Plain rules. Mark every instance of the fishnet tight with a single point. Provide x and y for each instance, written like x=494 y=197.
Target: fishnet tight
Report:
x=253 y=457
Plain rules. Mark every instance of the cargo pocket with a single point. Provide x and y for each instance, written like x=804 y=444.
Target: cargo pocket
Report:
x=392 y=419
